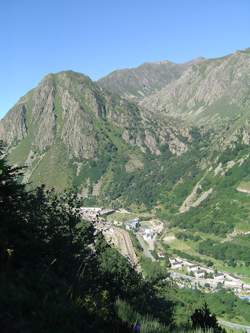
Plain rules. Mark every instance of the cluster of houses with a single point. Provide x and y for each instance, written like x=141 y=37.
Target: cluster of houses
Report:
x=193 y=269
x=207 y=277
x=93 y=214
x=134 y=225
x=192 y=274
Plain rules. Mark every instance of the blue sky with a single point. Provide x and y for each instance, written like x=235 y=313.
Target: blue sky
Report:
x=97 y=36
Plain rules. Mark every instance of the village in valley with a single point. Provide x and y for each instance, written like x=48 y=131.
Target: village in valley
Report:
x=198 y=276
x=184 y=272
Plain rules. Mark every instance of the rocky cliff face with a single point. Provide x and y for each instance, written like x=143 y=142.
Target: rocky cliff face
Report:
x=69 y=115
x=13 y=127
x=68 y=106
x=210 y=90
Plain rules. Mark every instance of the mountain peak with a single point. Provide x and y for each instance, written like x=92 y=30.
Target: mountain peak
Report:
x=68 y=121
x=195 y=61
x=138 y=82
x=66 y=75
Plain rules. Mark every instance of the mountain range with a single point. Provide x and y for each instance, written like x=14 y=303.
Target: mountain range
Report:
x=170 y=138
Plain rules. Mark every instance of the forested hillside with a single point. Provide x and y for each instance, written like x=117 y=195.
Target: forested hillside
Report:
x=59 y=275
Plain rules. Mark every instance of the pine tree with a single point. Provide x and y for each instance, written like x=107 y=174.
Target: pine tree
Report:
x=204 y=319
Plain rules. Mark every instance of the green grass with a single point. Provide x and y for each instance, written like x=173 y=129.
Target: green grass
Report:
x=54 y=169
x=19 y=154
x=148 y=324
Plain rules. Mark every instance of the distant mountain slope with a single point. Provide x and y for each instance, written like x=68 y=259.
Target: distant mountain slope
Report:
x=200 y=192
x=143 y=80
x=209 y=93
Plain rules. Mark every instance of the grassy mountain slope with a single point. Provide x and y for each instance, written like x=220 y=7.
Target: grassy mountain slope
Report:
x=210 y=93
x=207 y=213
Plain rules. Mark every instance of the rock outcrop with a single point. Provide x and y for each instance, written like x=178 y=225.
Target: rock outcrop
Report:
x=69 y=118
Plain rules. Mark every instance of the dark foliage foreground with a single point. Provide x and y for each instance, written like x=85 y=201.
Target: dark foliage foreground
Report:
x=56 y=273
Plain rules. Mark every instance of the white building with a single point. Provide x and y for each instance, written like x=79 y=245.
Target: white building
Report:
x=200 y=274
x=176 y=263
x=148 y=234
x=90 y=213
x=220 y=277
x=233 y=284
x=231 y=278
x=193 y=268
x=93 y=213
x=133 y=224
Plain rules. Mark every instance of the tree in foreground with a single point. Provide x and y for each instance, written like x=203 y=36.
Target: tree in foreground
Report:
x=203 y=319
